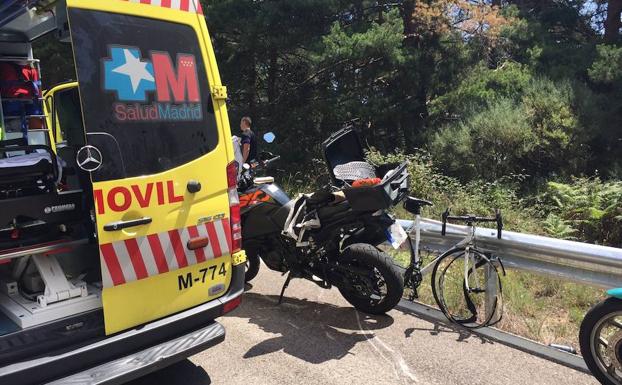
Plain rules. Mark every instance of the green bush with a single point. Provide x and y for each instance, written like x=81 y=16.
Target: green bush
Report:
x=536 y=131
x=589 y=205
x=551 y=113
x=558 y=227
x=481 y=86
x=491 y=144
x=476 y=197
x=607 y=66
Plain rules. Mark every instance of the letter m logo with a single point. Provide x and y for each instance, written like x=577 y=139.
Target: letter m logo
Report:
x=181 y=80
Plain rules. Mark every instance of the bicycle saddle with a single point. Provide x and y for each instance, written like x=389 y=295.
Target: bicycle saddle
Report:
x=413 y=205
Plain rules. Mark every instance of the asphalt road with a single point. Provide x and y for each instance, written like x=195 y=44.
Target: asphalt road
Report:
x=315 y=337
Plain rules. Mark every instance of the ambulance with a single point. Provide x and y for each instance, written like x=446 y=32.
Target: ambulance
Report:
x=120 y=238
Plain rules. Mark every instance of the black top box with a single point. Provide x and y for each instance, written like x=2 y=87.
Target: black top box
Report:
x=344 y=147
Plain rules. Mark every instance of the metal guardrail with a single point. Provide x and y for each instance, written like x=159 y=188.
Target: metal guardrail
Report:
x=537 y=349
x=575 y=261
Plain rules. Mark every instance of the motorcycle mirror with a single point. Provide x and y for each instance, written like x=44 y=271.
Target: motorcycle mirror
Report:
x=269 y=137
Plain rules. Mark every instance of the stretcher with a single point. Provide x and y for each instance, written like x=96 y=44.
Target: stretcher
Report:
x=32 y=210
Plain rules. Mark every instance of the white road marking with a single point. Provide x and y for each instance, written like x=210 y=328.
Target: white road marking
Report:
x=400 y=366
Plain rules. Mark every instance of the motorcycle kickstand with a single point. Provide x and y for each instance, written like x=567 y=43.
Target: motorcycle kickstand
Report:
x=289 y=278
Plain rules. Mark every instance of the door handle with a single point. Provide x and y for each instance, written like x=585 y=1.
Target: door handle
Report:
x=120 y=225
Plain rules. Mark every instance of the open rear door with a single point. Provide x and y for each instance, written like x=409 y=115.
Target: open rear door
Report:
x=157 y=155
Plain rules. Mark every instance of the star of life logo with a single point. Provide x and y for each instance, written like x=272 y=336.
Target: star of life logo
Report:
x=134 y=79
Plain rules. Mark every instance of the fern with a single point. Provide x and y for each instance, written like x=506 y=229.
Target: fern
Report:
x=559 y=228
x=589 y=205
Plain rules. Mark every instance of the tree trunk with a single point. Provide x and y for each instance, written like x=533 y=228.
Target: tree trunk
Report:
x=533 y=6
x=272 y=77
x=358 y=10
x=252 y=80
x=416 y=114
x=612 y=23
x=408 y=10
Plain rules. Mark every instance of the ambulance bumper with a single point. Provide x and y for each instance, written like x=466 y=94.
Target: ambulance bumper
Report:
x=134 y=353
x=136 y=365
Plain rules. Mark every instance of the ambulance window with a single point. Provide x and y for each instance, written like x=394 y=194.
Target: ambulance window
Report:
x=144 y=92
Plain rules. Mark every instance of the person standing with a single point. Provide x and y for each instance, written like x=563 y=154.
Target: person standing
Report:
x=248 y=140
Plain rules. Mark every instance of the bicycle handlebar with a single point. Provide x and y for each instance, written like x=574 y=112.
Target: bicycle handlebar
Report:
x=472 y=219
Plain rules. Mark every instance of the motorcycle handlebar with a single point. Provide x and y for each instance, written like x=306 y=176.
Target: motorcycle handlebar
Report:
x=266 y=163
x=245 y=179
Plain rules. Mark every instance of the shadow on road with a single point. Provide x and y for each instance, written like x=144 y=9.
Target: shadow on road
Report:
x=183 y=372
x=438 y=327
x=311 y=331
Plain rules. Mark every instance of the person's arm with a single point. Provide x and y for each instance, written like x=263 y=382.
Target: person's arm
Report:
x=246 y=149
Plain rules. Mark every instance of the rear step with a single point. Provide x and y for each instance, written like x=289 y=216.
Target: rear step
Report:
x=78 y=357
x=149 y=360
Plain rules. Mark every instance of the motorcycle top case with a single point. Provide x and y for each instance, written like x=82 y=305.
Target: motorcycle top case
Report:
x=344 y=147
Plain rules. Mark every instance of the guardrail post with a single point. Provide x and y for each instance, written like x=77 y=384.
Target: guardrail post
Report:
x=491 y=291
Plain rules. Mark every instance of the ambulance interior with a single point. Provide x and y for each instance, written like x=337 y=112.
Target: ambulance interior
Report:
x=49 y=260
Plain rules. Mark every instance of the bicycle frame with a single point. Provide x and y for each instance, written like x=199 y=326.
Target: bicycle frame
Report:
x=467 y=242
x=416 y=272
x=473 y=259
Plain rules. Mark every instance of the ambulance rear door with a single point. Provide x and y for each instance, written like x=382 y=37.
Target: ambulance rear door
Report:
x=157 y=158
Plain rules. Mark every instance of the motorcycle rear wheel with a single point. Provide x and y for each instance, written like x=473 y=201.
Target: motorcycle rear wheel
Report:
x=252 y=266
x=375 y=283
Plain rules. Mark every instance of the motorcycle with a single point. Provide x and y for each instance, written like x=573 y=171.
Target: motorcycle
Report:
x=600 y=339
x=329 y=237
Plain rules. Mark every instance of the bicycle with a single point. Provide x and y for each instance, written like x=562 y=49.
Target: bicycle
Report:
x=473 y=271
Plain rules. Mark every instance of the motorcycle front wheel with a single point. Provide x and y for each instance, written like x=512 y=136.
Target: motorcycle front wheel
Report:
x=373 y=283
x=600 y=338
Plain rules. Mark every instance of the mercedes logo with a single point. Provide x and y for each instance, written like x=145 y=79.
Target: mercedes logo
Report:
x=89 y=158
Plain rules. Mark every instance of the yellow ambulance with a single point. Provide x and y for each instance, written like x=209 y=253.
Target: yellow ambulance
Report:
x=120 y=239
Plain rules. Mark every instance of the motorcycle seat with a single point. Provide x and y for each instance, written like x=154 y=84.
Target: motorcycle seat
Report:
x=329 y=212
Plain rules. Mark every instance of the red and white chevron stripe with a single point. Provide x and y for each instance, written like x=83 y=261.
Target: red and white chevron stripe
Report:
x=193 y=6
x=143 y=257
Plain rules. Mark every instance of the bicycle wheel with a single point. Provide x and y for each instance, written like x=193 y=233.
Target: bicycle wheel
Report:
x=467 y=288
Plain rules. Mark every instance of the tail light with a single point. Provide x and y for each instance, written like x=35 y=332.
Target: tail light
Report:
x=234 y=207
x=229 y=306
